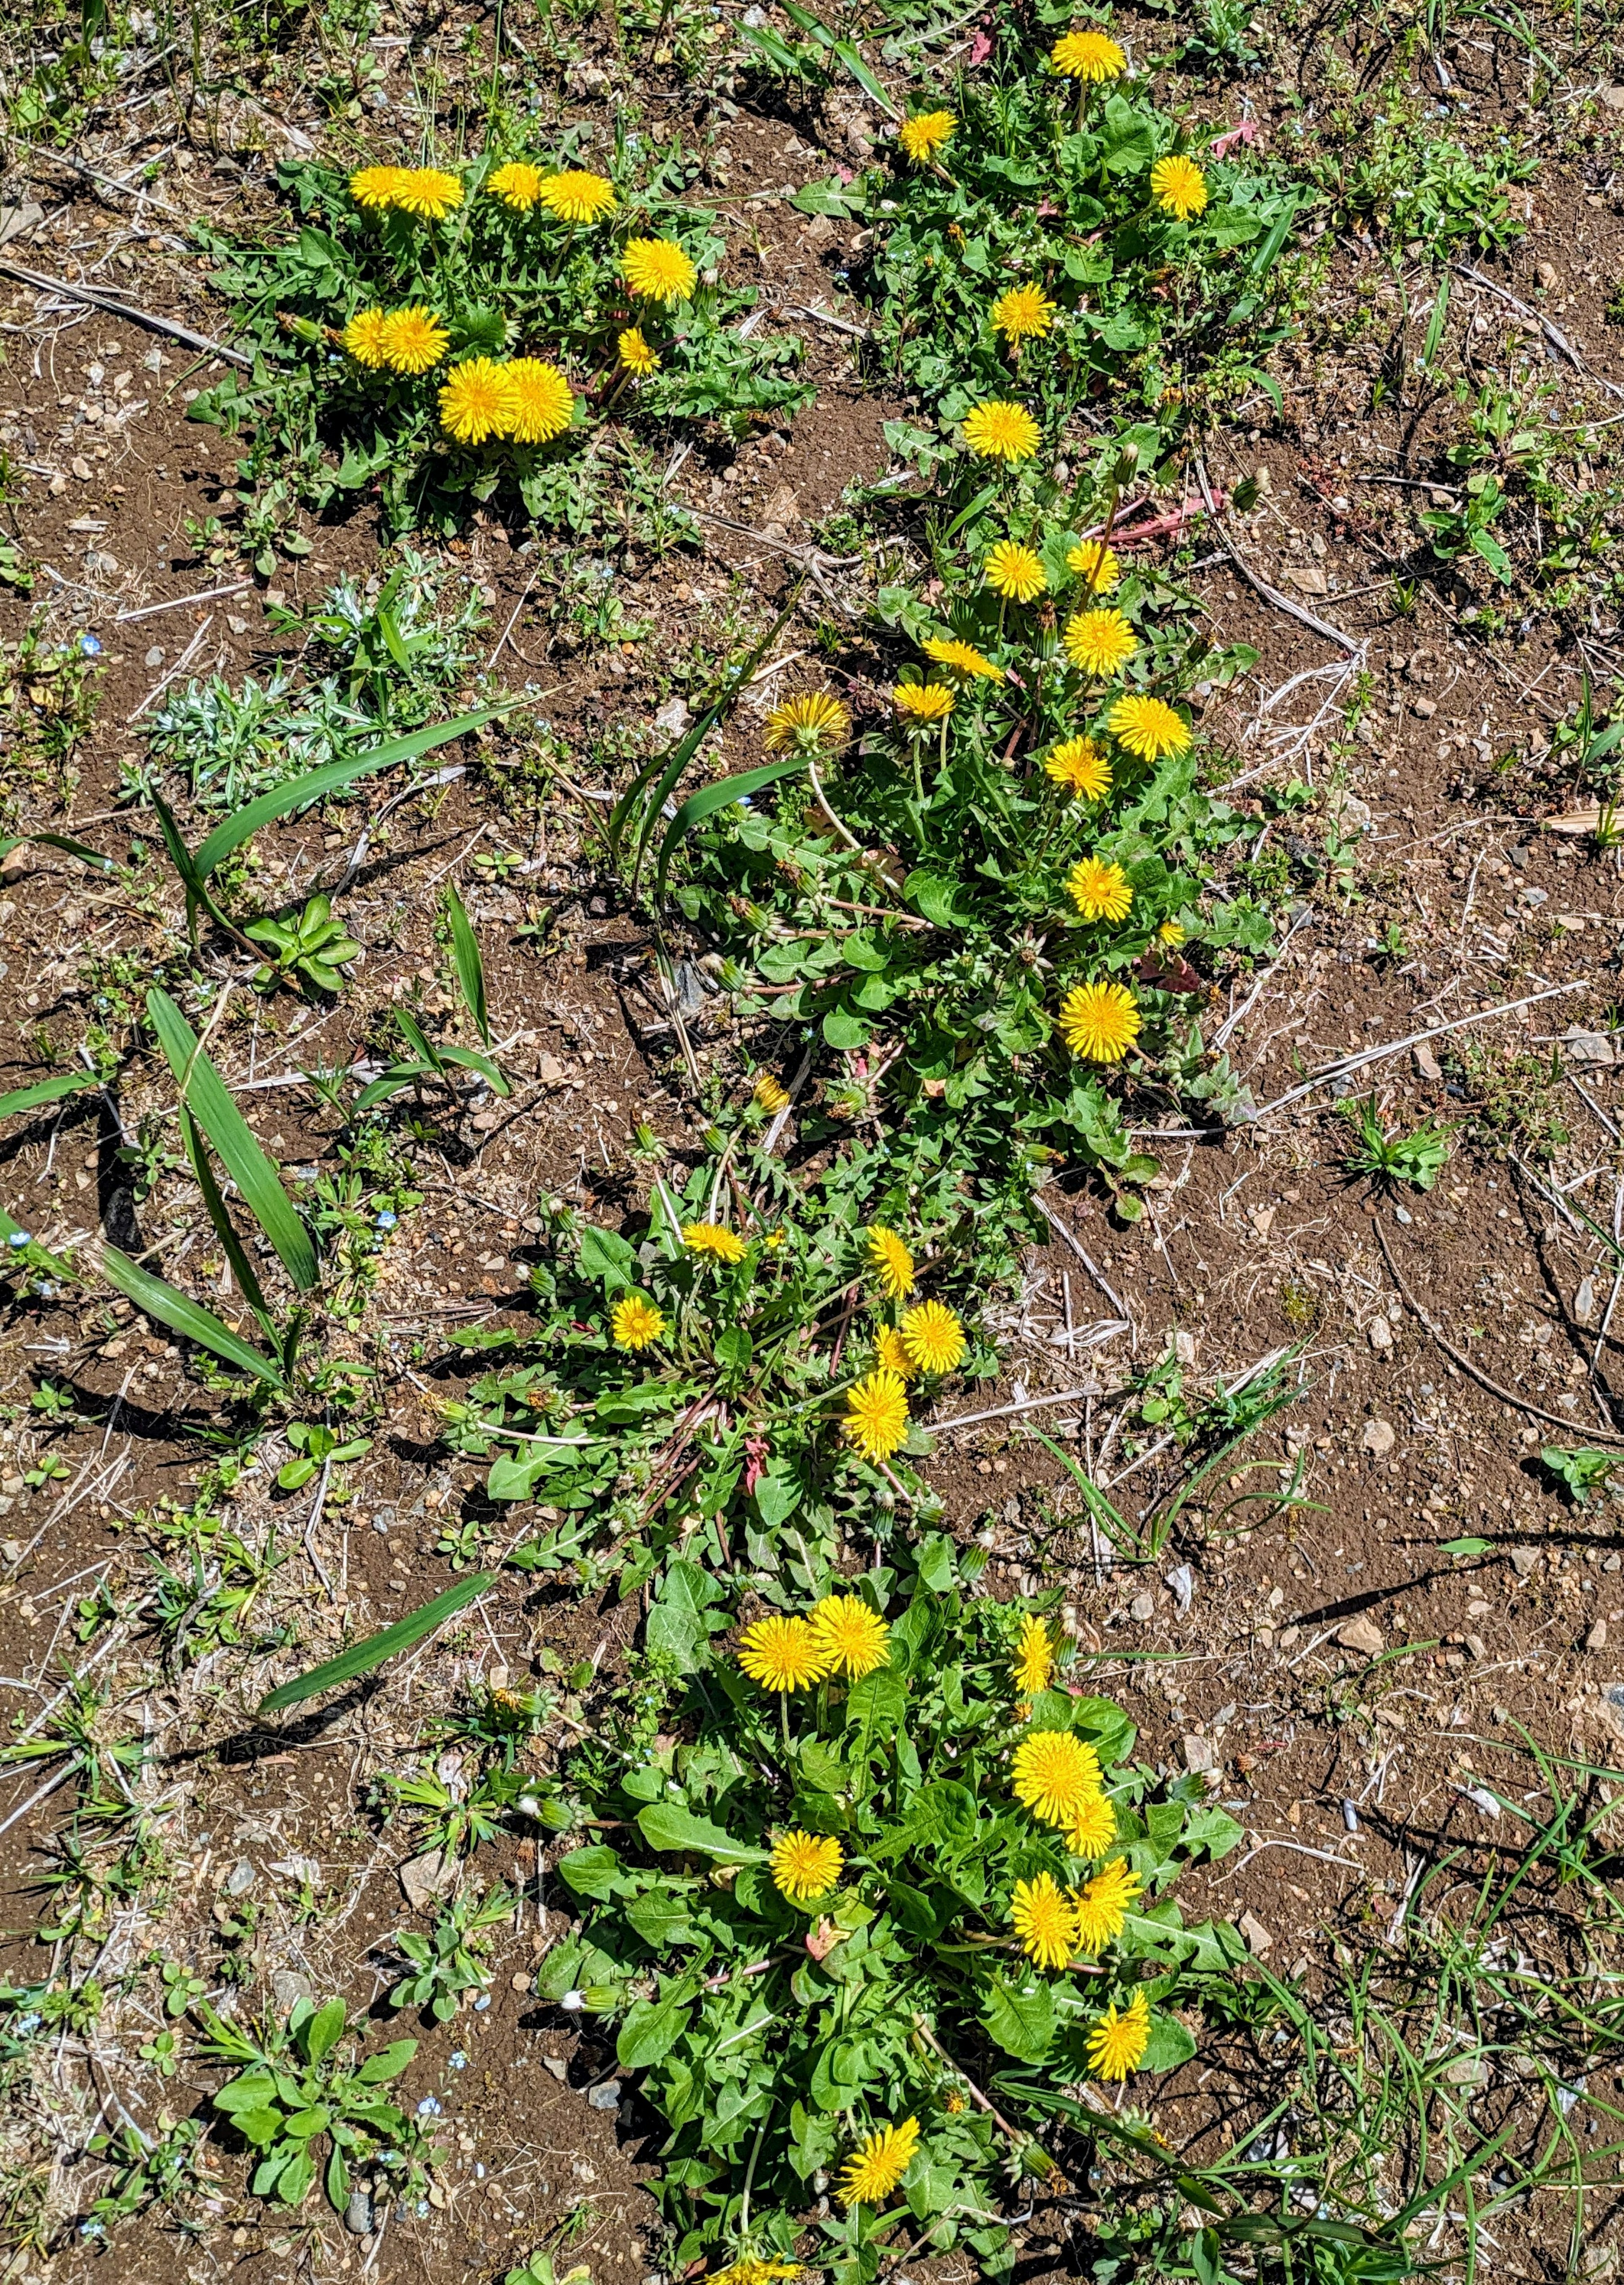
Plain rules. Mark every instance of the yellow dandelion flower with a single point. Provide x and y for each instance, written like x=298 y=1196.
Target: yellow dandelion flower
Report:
x=1079 y=765
x=1098 y=642
x=1023 y=313
x=769 y=1095
x=1101 y=892
x=1015 y=571
x=363 y=337
x=635 y=1323
x=1102 y=1905
x=891 y=1353
x=856 y=1640
x=933 y=1336
x=1178 y=186
x=1172 y=933
x=636 y=354
x=961 y=658
x=476 y=401
x=1044 y=1920
x=748 y=2270
x=1034 y=1658
x=1147 y=727
x=1053 y=1773
x=1117 y=2042
x=1093 y=561
x=920 y=703
x=805 y=1864
x=576 y=196
x=812 y=722
x=413 y=340
x=999 y=431
x=429 y=192
x=657 y=270
x=1099 y=1022
x=710 y=1237
x=376 y=186
x=781 y=1654
x=1092 y=1829
x=1093 y=56
x=923 y=136
x=876 y=1421
x=888 y=1255
x=879 y=2163
x=517 y=184
x=544 y=403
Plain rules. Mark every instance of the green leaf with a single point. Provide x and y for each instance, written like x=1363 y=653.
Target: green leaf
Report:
x=47 y=1090
x=1169 y=2044
x=388 y=2063
x=337 y=2181
x=847 y=1032
x=56 y=841
x=326 y=2030
x=937 y=899
x=208 y=1099
x=362 y=1657
x=651 y=2030
x=470 y=967
x=667 y=1825
x=705 y=804
x=1021 y=2018
x=594 y=1871
x=299 y=792
x=186 y=1317
x=682 y=1621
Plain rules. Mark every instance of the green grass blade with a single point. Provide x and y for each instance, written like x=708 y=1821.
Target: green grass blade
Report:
x=1435 y=330
x=195 y=886
x=315 y=783
x=242 y=1268
x=58 y=840
x=705 y=804
x=470 y=1060
x=183 y=1315
x=208 y=1099
x=362 y=1657
x=417 y=1038
x=470 y=967
x=46 y=1090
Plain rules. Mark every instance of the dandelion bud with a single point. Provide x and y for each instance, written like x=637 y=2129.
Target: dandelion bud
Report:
x=572 y=2002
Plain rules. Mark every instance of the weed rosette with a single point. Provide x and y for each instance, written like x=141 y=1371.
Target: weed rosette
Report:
x=440 y=338
x=881 y=1910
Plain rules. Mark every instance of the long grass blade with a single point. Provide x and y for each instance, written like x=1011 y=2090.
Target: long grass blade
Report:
x=470 y=967
x=209 y=1100
x=362 y=1657
x=214 y=1202
x=58 y=840
x=705 y=804
x=183 y=1315
x=46 y=1090
x=1435 y=330
x=300 y=791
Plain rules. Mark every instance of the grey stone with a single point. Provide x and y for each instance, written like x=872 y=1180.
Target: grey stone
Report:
x=1200 y=1755
x=240 y=1879
x=288 y=1984
x=1524 y=1561
x=1142 y=1608
x=606 y=2097
x=358 y=2213
x=423 y=1879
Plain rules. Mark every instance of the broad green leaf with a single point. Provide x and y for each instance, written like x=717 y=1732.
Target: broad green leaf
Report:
x=681 y=1622
x=592 y=1872
x=388 y=2063
x=362 y=1657
x=208 y=1099
x=186 y=1317
x=667 y=1825
x=470 y=967
x=47 y=1090
x=1021 y=2018
x=326 y=2030
x=1169 y=2046
x=651 y=2030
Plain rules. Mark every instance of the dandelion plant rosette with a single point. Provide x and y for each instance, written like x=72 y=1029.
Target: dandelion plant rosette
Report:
x=886 y=1863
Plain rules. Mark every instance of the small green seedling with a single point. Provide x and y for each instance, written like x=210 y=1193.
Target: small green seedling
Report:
x=316 y=1447
x=1417 y=1158
x=448 y=1963
x=300 y=2084
x=313 y=948
x=1583 y=1472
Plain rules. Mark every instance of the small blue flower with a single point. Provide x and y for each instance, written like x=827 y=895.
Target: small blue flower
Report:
x=385 y=1221
x=458 y=2062
x=429 y=2107
x=18 y=1239
x=90 y=645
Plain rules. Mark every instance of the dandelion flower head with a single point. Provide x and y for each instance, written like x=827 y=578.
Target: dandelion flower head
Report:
x=1098 y=642
x=1117 y=2043
x=783 y=1653
x=637 y=354
x=876 y=1420
x=710 y=1237
x=1054 y=1772
x=363 y=337
x=516 y=185
x=1092 y=1829
x=1044 y=1920
x=576 y=196
x=635 y=1323
x=376 y=186
x=1094 y=560
x=812 y=722
x=999 y=431
x=1102 y=1905
x=1093 y=56
x=544 y=403
x=769 y=1095
x=1147 y=727
x=657 y=270
x=879 y=2163
x=413 y=340
x=1015 y=571
x=961 y=658
x=1034 y=1658
x=476 y=401
x=1079 y=765
x=1178 y=186
x=891 y=1353
x=1101 y=892
x=428 y=192
x=923 y=136
x=1099 y=1022
x=1023 y=313
x=933 y=1336
x=921 y=703
x=805 y=1864
x=856 y=1640
x=891 y=1259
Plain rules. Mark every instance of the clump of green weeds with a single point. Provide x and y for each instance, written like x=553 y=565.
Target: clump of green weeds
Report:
x=1391 y=1155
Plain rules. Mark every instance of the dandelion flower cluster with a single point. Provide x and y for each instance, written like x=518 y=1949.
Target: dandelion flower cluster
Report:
x=1044 y=1920
x=812 y=722
x=1102 y=1904
x=1094 y=560
x=1099 y=1022
x=1179 y=187
x=636 y=354
x=961 y=658
x=412 y=340
x=476 y=401
x=1117 y=2043
x=932 y=1336
x=1092 y=56
x=999 y=431
x=1147 y=727
x=923 y=136
x=1101 y=892
x=878 y=2165
x=1054 y=1772
x=1034 y=1658
x=805 y=1865
x=1092 y=1829
x=657 y=270
x=1023 y=313
x=783 y=1653
x=1098 y=642
x=517 y=184
x=1079 y=765
x=635 y=1323
x=920 y=703
x=710 y=1237
x=855 y=1639
x=1015 y=571
x=426 y=193
x=891 y=1261
x=543 y=401
x=576 y=196
x=876 y=1420
x=750 y=2269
